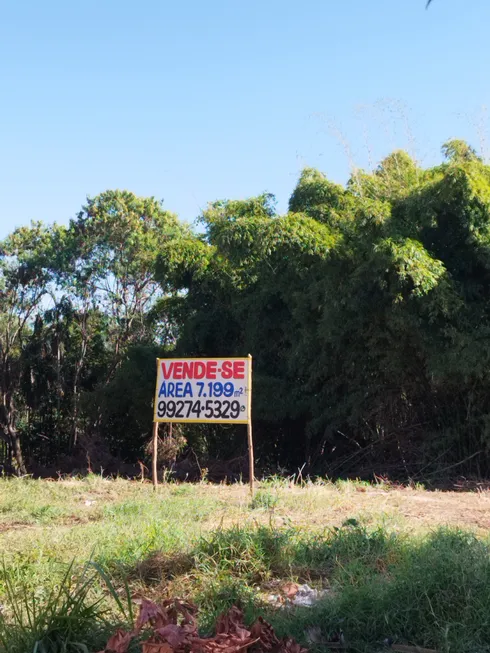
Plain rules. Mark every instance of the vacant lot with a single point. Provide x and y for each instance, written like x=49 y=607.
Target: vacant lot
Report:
x=402 y=563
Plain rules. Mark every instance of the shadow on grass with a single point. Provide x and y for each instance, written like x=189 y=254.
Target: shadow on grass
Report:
x=432 y=591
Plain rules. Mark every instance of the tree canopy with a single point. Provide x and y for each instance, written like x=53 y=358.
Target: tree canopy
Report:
x=366 y=308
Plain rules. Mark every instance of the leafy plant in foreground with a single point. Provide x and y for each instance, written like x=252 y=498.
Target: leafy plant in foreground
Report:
x=65 y=619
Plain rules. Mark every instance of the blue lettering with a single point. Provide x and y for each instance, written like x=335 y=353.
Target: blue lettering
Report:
x=188 y=389
x=162 y=392
x=178 y=389
x=170 y=389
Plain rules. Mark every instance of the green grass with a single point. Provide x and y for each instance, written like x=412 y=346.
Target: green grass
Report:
x=264 y=499
x=434 y=593
x=387 y=573
x=63 y=618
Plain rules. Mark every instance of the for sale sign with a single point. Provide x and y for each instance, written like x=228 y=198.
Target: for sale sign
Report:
x=203 y=390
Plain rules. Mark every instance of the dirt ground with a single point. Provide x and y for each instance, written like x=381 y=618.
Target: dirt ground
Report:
x=74 y=505
x=404 y=507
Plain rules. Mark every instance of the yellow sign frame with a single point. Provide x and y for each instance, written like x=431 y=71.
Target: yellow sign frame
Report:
x=167 y=420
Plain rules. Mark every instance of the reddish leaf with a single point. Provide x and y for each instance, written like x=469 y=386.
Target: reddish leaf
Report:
x=119 y=642
x=151 y=613
x=175 y=631
x=230 y=644
x=180 y=610
x=265 y=633
x=175 y=635
x=232 y=623
x=152 y=646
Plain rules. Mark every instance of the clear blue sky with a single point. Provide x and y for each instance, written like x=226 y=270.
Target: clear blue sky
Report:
x=197 y=100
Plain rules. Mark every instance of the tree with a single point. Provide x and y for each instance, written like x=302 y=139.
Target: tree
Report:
x=109 y=268
x=25 y=259
x=117 y=238
x=366 y=308
x=459 y=151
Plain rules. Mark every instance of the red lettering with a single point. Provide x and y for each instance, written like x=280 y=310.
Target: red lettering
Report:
x=227 y=370
x=199 y=370
x=238 y=369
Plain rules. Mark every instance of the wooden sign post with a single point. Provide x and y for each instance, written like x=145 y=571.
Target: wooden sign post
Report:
x=204 y=390
x=251 y=460
x=155 y=455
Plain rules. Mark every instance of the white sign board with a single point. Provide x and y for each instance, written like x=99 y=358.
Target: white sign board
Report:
x=203 y=390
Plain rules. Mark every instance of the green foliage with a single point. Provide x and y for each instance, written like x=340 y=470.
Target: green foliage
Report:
x=428 y=587
x=366 y=308
x=433 y=594
x=264 y=499
x=320 y=199
x=125 y=403
x=395 y=178
x=63 y=619
x=459 y=151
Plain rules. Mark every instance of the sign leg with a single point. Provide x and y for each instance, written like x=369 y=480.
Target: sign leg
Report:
x=155 y=455
x=251 y=461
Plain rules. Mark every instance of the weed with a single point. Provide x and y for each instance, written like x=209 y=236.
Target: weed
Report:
x=387 y=578
x=219 y=594
x=62 y=619
x=434 y=592
x=264 y=499
x=159 y=567
x=275 y=481
x=351 y=485
x=251 y=553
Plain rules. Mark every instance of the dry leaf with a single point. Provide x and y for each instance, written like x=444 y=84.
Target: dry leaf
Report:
x=152 y=646
x=232 y=623
x=264 y=631
x=230 y=644
x=119 y=642
x=180 y=610
x=174 y=629
x=151 y=613
x=175 y=635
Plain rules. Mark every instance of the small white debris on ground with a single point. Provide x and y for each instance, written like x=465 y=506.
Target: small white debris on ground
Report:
x=296 y=595
x=306 y=596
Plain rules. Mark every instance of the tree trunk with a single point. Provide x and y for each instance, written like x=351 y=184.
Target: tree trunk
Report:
x=17 y=451
x=12 y=433
x=78 y=370
x=75 y=411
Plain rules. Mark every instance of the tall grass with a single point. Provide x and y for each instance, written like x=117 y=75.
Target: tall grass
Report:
x=432 y=591
x=61 y=619
x=436 y=594
x=383 y=580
